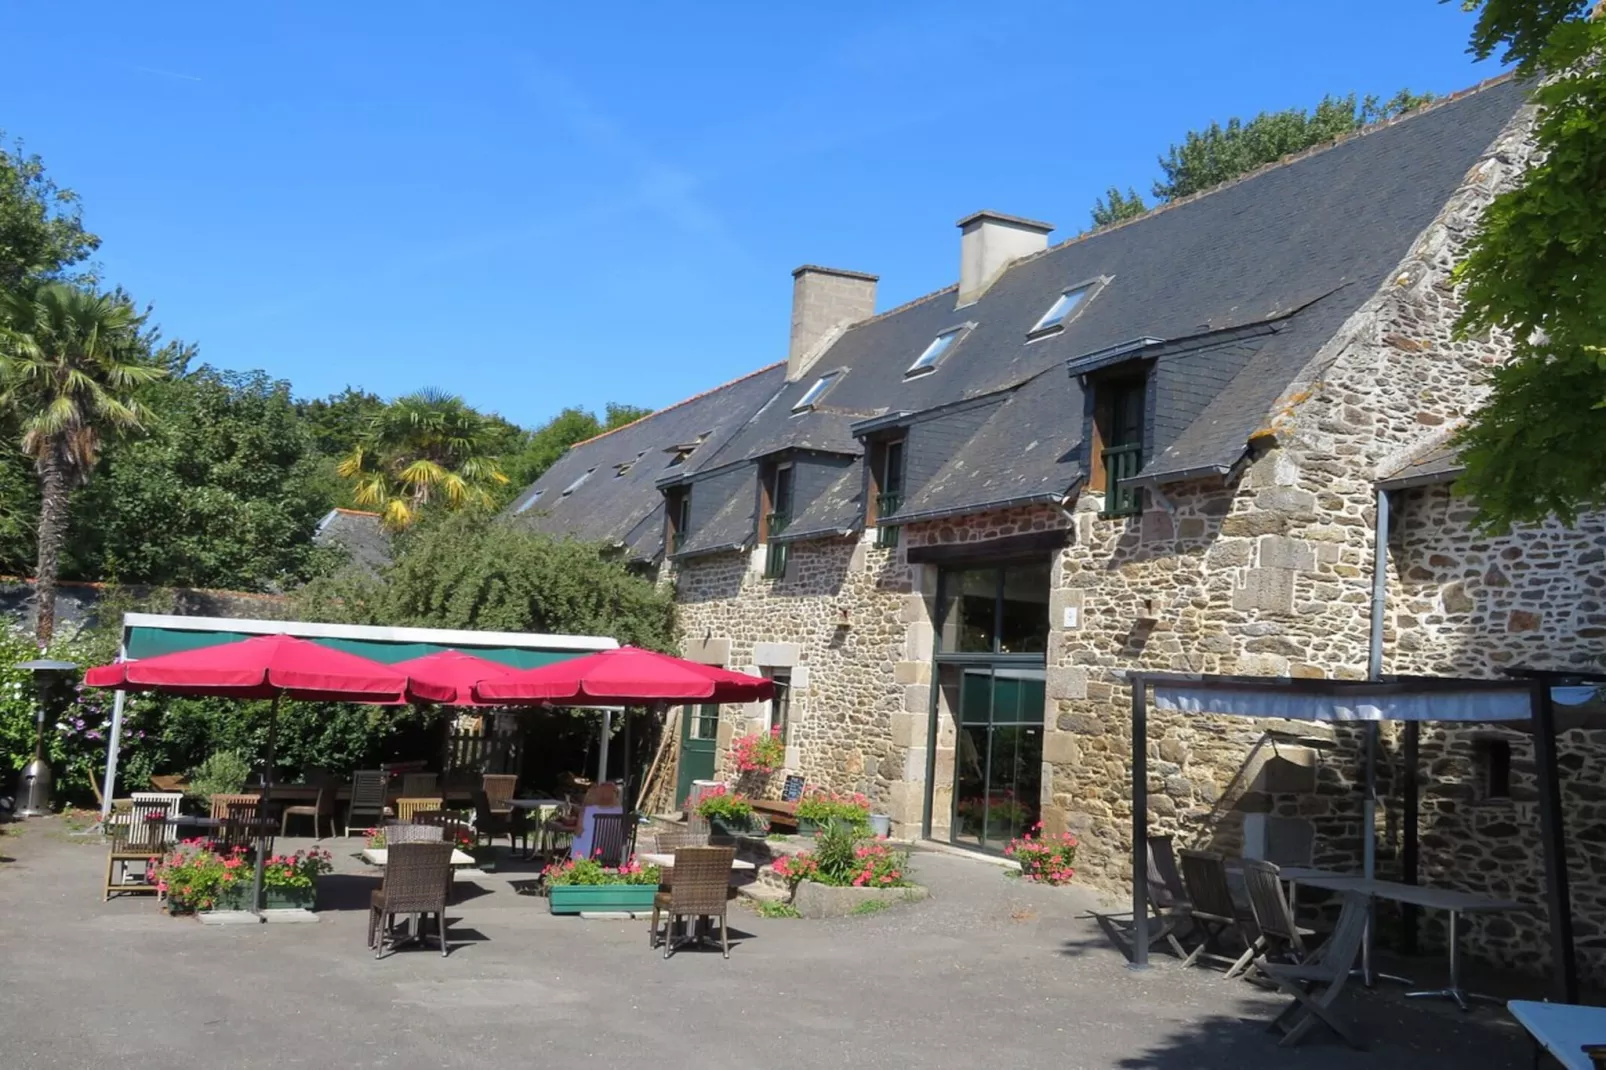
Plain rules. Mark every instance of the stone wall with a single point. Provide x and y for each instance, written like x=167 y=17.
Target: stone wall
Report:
x=1467 y=603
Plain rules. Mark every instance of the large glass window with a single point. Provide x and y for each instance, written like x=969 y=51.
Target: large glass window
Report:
x=705 y=722
x=998 y=754
x=995 y=610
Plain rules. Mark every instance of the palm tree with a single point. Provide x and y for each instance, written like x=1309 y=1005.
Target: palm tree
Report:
x=71 y=360
x=427 y=447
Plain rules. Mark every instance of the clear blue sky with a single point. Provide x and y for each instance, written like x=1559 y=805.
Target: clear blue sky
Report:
x=539 y=205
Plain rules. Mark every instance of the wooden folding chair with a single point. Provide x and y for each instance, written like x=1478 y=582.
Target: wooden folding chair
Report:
x=1213 y=912
x=1278 y=935
x=1316 y=983
x=1168 y=905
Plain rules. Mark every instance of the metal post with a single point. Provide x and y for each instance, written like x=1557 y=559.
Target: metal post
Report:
x=1410 y=859
x=113 y=745
x=1140 y=822
x=1552 y=831
x=262 y=807
x=630 y=761
x=602 y=746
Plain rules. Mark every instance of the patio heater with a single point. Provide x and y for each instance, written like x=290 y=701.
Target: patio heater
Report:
x=33 y=786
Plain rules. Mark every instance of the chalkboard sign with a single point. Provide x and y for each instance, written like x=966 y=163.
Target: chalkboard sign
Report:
x=792 y=790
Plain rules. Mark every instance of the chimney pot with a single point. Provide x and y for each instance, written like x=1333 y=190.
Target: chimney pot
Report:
x=824 y=300
x=988 y=243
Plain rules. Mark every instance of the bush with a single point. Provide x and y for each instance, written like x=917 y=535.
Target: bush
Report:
x=822 y=808
x=842 y=858
x=223 y=773
x=1046 y=860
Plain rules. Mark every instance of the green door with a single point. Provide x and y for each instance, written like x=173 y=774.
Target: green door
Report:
x=699 y=732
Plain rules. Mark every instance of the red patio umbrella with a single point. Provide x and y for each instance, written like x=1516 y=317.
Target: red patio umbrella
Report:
x=268 y=667
x=628 y=676
x=456 y=670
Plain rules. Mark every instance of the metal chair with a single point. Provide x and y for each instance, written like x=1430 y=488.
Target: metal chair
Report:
x=1212 y=910
x=1316 y=983
x=367 y=798
x=701 y=891
x=1279 y=935
x=416 y=875
x=322 y=809
x=146 y=835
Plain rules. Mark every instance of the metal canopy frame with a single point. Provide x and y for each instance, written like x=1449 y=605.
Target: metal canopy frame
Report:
x=1564 y=976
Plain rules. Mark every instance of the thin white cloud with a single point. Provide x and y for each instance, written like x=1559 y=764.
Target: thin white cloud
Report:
x=168 y=74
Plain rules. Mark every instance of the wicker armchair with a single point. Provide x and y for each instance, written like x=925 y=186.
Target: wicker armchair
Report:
x=415 y=883
x=146 y=835
x=499 y=788
x=396 y=832
x=454 y=825
x=701 y=890
x=668 y=843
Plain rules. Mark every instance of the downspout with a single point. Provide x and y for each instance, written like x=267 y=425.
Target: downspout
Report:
x=1380 y=583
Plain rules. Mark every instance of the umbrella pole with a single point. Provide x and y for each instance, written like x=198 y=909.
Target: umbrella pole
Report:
x=602 y=745
x=262 y=807
x=630 y=759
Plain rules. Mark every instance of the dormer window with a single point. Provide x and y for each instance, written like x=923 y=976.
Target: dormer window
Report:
x=572 y=487
x=775 y=515
x=1119 y=406
x=811 y=397
x=677 y=517
x=939 y=347
x=680 y=451
x=529 y=502
x=886 y=488
x=622 y=468
x=1064 y=309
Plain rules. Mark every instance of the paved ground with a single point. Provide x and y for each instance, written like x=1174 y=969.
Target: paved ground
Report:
x=989 y=972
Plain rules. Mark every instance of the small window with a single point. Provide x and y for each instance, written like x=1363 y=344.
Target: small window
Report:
x=1493 y=759
x=781 y=703
x=776 y=516
x=572 y=487
x=680 y=451
x=621 y=469
x=939 y=346
x=811 y=397
x=1065 y=307
x=886 y=476
x=704 y=722
x=529 y=502
x=677 y=513
x=1118 y=418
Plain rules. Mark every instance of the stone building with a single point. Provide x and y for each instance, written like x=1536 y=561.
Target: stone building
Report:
x=949 y=529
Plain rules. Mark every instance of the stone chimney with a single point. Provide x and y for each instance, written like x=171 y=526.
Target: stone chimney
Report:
x=824 y=300
x=988 y=243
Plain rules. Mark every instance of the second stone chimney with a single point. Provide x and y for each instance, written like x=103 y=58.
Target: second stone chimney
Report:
x=824 y=300
x=988 y=243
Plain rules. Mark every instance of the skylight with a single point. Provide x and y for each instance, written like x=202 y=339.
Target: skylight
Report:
x=934 y=352
x=812 y=395
x=572 y=487
x=530 y=501
x=1063 y=308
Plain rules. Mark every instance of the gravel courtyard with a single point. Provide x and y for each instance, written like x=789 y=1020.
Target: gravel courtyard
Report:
x=988 y=972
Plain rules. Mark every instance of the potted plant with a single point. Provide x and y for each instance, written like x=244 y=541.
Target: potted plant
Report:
x=1046 y=859
x=762 y=752
x=819 y=808
x=289 y=882
x=727 y=812
x=584 y=884
x=844 y=871
x=192 y=876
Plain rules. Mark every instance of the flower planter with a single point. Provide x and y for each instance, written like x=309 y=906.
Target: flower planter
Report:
x=238 y=897
x=815 y=900
x=730 y=827
x=807 y=828
x=575 y=898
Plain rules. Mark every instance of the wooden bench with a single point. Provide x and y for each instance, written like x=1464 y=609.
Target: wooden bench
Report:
x=782 y=815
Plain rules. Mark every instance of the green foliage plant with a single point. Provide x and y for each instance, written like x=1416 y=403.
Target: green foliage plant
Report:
x=222 y=773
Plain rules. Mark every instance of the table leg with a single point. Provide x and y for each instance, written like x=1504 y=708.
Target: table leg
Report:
x=1454 y=990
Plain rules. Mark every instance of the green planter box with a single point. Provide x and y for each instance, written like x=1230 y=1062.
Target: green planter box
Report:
x=730 y=827
x=238 y=897
x=574 y=898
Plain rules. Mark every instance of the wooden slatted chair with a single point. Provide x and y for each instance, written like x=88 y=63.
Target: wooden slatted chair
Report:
x=368 y=787
x=144 y=836
x=701 y=890
x=407 y=806
x=1168 y=905
x=1316 y=983
x=1213 y=912
x=609 y=841
x=322 y=809
x=1279 y=936
x=220 y=804
x=416 y=876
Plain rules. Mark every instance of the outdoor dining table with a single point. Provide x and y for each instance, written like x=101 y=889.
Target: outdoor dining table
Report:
x=538 y=809
x=1562 y=1029
x=378 y=856
x=1454 y=902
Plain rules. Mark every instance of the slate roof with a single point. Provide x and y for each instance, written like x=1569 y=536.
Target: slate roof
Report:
x=626 y=508
x=1437 y=464
x=360 y=534
x=1235 y=291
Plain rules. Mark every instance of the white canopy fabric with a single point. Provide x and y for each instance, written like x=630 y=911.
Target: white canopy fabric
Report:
x=1481 y=705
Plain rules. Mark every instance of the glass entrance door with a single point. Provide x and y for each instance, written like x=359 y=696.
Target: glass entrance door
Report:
x=998 y=755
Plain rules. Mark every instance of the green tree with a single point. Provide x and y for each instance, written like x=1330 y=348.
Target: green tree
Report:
x=427 y=448
x=227 y=476
x=41 y=232
x=1217 y=154
x=1116 y=207
x=71 y=363
x=1536 y=272
x=460 y=572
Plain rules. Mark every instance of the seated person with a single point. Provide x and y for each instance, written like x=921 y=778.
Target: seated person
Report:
x=603 y=795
